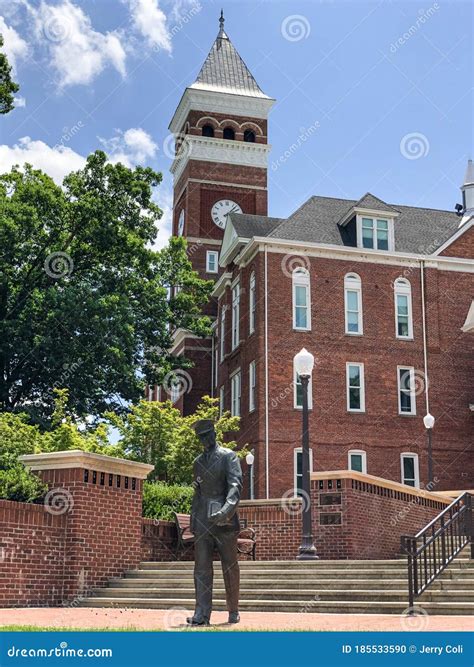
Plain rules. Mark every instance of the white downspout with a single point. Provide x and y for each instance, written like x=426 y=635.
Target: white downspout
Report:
x=425 y=350
x=267 y=462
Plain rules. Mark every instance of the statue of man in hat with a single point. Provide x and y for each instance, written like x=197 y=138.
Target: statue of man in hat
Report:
x=214 y=522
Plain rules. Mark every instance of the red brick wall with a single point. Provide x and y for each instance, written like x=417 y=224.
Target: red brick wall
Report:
x=380 y=431
x=32 y=551
x=372 y=520
x=462 y=247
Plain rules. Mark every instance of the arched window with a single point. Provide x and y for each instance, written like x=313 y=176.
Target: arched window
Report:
x=249 y=136
x=353 y=304
x=228 y=133
x=301 y=300
x=403 y=309
x=207 y=131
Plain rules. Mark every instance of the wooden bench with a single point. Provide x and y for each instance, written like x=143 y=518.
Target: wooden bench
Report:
x=246 y=542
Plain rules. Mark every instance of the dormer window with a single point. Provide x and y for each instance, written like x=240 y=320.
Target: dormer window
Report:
x=374 y=233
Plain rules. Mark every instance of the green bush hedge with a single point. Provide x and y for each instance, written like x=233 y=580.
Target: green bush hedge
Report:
x=160 y=500
x=17 y=483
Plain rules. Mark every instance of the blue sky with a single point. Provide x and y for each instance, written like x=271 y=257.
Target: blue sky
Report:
x=371 y=96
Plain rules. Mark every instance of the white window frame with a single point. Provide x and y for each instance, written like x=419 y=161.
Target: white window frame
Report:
x=416 y=466
x=252 y=385
x=362 y=454
x=402 y=287
x=222 y=334
x=209 y=254
x=235 y=314
x=353 y=283
x=296 y=451
x=221 y=400
x=374 y=217
x=295 y=392
x=362 y=386
x=252 y=302
x=411 y=370
x=235 y=393
x=301 y=278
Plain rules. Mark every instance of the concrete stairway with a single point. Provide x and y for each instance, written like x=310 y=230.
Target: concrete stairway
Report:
x=370 y=586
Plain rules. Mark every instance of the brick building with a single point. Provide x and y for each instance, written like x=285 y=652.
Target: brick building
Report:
x=380 y=293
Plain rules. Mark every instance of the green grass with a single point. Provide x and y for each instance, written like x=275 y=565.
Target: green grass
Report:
x=36 y=628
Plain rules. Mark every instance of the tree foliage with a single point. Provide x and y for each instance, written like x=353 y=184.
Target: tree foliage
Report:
x=8 y=87
x=84 y=300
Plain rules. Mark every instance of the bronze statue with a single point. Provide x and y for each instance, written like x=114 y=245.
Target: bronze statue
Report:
x=214 y=522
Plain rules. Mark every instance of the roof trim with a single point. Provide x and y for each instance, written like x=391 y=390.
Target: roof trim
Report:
x=454 y=237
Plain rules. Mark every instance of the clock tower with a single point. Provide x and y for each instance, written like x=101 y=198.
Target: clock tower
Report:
x=220 y=167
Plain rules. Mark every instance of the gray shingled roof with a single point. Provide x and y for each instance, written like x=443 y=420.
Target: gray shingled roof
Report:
x=247 y=226
x=225 y=71
x=417 y=230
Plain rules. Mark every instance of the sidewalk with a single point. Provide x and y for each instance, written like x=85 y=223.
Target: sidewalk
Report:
x=174 y=619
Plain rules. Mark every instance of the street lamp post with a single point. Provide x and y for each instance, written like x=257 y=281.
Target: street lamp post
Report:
x=304 y=362
x=428 y=421
x=250 y=458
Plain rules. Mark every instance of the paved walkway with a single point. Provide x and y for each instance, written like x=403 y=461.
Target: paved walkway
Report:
x=174 y=619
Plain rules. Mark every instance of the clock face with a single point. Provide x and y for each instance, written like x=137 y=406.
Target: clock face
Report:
x=181 y=223
x=221 y=210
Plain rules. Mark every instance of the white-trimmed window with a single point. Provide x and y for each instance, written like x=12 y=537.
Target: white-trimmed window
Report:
x=212 y=261
x=406 y=390
x=298 y=392
x=410 y=470
x=221 y=400
x=301 y=300
x=298 y=469
x=353 y=304
x=235 y=315
x=403 y=309
x=222 y=334
x=252 y=303
x=357 y=460
x=355 y=387
x=252 y=385
x=375 y=233
x=235 y=390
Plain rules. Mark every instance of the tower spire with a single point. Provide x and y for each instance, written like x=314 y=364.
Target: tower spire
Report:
x=221 y=24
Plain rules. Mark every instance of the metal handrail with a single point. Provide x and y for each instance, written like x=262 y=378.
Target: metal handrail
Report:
x=436 y=545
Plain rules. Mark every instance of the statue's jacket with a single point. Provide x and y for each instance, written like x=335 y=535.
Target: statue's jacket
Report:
x=217 y=479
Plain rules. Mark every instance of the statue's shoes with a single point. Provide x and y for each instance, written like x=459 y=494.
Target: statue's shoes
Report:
x=197 y=620
x=234 y=617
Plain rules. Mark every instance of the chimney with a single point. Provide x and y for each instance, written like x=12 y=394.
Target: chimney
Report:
x=467 y=190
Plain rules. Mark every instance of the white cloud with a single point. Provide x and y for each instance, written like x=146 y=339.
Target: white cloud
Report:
x=19 y=102
x=56 y=161
x=14 y=46
x=134 y=146
x=150 y=21
x=77 y=52
x=164 y=198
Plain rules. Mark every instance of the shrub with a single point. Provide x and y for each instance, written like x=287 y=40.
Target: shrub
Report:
x=160 y=500
x=17 y=483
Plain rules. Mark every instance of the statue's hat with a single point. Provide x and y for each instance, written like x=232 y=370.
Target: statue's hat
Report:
x=202 y=426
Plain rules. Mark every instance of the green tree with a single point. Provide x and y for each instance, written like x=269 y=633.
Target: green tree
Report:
x=84 y=300
x=8 y=87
